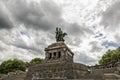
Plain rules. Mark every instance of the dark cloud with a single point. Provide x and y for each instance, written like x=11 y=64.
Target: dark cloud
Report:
x=44 y=15
x=85 y=59
x=25 y=42
x=117 y=37
x=36 y=48
x=4 y=18
x=111 y=17
x=76 y=33
x=74 y=29
x=95 y=47
x=2 y=48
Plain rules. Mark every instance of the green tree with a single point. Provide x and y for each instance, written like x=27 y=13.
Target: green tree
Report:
x=109 y=56
x=36 y=61
x=12 y=65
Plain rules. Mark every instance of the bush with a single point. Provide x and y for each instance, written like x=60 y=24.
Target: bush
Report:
x=36 y=61
x=109 y=56
x=12 y=66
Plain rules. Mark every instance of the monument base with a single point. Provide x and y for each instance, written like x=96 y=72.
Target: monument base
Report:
x=57 y=71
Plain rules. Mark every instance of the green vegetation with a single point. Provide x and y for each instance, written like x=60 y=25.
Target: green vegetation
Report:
x=36 y=61
x=109 y=56
x=12 y=66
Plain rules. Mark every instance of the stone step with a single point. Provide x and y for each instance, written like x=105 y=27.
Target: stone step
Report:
x=112 y=76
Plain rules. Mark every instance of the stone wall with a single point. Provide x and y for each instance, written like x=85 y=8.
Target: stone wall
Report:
x=107 y=70
x=63 y=70
x=18 y=75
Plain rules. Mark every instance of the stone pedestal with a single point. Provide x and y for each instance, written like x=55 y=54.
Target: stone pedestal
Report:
x=58 y=65
x=58 y=52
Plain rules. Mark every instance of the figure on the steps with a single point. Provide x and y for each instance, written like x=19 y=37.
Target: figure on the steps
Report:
x=60 y=35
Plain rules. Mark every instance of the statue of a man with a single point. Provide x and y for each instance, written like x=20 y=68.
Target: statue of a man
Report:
x=60 y=35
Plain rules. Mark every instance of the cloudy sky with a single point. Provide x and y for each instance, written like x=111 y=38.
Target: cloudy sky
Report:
x=28 y=26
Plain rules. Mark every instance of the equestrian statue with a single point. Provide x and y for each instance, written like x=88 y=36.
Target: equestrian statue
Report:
x=60 y=35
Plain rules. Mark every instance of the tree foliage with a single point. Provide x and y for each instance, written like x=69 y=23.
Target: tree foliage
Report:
x=109 y=56
x=36 y=61
x=12 y=65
